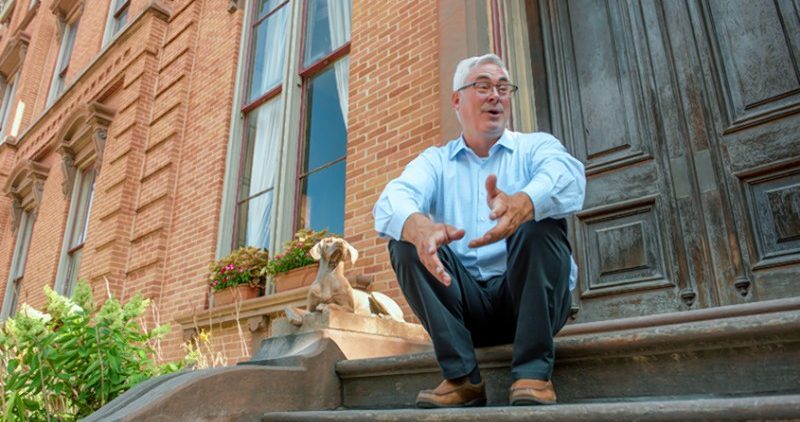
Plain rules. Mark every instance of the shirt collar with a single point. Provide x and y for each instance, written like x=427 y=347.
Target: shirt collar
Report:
x=506 y=141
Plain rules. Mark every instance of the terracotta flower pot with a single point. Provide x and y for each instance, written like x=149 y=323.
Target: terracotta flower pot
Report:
x=236 y=293
x=296 y=278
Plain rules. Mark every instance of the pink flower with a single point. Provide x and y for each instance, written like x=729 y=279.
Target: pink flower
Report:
x=230 y=267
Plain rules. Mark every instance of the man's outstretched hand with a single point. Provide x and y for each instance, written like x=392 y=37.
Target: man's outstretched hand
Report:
x=428 y=237
x=510 y=211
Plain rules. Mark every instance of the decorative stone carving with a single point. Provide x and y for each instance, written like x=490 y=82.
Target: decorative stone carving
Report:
x=83 y=140
x=233 y=5
x=66 y=11
x=14 y=54
x=25 y=187
x=68 y=167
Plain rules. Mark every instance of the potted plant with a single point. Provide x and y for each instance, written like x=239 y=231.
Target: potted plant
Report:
x=293 y=268
x=240 y=275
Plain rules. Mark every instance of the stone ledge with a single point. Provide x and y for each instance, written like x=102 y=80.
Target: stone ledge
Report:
x=357 y=336
x=345 y=321
x=260 y=307
x=774 y=408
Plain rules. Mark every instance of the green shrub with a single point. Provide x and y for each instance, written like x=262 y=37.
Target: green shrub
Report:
x=72 y=360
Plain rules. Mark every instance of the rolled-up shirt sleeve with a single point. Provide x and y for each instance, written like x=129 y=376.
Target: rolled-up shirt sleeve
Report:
x=411 y=192
x=557 y=180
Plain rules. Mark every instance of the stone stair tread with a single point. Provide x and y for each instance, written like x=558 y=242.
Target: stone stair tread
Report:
x=690 y=335
x=713 y=354
x=749 y=408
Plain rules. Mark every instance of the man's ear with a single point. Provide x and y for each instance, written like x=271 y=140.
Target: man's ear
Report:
x=315 y=251
x=455 y=100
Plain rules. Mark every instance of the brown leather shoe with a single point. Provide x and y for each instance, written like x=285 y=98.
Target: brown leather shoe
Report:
x=529 y=391
x=453 y=393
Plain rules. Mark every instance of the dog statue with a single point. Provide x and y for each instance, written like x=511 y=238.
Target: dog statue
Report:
x=332 y=290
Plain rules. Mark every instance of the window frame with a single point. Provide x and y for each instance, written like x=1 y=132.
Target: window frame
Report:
x=306 y=76
x=113 y=25
x=19 y=259
x=292 y=97
x=58 y=81
x=64 y=285
x=6 y=106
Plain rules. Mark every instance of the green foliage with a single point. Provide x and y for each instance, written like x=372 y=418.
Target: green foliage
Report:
x=295 y=252
x=246 y=265
x=72 y=360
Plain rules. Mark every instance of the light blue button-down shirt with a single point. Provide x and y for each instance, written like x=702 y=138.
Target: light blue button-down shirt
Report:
x=448 y=184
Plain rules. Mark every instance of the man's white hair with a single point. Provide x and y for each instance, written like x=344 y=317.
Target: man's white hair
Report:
x=464 y=66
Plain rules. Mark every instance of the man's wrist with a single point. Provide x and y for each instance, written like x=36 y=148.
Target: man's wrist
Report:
x=411 y=226
x=527 y=205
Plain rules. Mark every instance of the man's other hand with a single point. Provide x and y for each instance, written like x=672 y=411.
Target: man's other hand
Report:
x=428 y=237
x=510 y=211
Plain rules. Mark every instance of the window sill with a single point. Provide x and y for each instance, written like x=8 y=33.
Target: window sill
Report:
x=255 y=312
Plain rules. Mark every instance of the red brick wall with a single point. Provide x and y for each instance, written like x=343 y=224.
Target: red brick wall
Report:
x=153 y=227
x=394 y=115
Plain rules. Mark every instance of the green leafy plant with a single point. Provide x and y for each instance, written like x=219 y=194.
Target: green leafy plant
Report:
x=74 y=358
x=246 y=265
x=295 y=252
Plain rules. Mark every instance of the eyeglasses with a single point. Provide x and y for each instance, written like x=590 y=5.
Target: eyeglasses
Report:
x=504 y=89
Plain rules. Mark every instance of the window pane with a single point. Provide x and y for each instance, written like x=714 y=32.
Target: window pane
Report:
x=261 y=149
x=253 y=221
x=83 y=194
x=12 y=306
x=327 y=133
x=73 y=263
x=327 y=28
x=121 y=20
x=267 y=54
x=69 y=43
x=267 y=6
x=322 y=200
x=23 y=241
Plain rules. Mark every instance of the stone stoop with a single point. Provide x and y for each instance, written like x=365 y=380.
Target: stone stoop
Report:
x=728 y=363
x=768 y=408
x=748 y=350
x=293 y=370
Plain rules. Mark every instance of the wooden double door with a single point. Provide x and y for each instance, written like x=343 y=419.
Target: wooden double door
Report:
x=686 y=114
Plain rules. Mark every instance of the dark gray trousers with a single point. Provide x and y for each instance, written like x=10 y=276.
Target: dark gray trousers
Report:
x=526 y=306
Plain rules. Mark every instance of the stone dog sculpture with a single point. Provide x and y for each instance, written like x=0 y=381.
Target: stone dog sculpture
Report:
x=331 y=289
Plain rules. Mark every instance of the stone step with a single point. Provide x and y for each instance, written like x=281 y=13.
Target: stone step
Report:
x=763 y=408
x=751 y=349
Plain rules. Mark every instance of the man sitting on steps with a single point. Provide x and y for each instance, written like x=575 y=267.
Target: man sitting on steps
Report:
x=479 y=241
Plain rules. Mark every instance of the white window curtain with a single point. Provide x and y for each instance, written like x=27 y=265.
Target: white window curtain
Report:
x=262 y=176
x=339 y=12
x=274 y=45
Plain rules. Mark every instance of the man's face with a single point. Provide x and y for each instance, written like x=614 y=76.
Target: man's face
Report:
x=483 y=117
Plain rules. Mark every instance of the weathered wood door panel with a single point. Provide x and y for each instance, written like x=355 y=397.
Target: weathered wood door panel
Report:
x=684 y=114
x=754 y=53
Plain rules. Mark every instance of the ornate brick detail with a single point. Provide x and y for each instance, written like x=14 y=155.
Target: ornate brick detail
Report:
x=82 y=141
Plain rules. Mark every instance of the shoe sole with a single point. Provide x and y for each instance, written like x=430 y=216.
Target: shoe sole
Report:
x=531 y=402
x=433 y=405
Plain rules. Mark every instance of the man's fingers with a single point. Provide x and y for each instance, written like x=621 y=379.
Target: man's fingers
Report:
x=454 y=233
x=435 y=267
x=499 y=208
x=491 y=187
